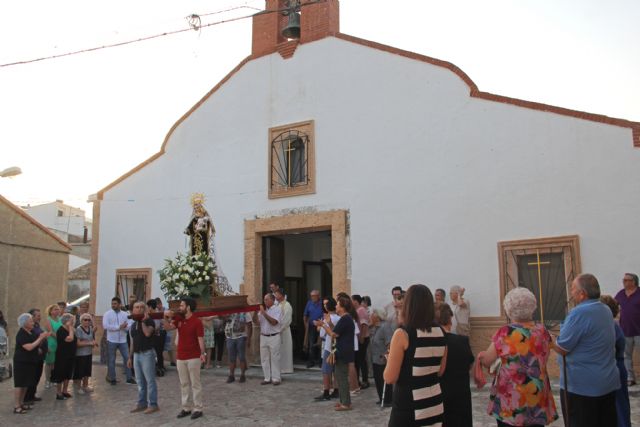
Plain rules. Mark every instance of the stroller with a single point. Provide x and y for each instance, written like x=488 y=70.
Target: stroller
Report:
x=6 y=370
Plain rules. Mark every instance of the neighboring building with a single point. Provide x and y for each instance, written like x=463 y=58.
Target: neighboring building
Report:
x=69 y=223
x=78 y=282
x=33 y=264
x=342 y=164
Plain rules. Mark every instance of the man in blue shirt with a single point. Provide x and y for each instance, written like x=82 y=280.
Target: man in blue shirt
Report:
x=587 y=339
x=312 y=312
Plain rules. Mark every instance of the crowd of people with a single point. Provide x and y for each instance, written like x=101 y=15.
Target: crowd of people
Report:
x=416 y=347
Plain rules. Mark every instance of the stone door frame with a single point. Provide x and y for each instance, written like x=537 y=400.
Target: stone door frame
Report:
x=255 y=229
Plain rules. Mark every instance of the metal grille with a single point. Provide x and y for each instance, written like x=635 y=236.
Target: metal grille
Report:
x=131 y=284
x=556 y=277
x=289 y=160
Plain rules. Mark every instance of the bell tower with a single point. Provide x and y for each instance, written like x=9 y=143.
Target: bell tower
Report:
x=272 y=28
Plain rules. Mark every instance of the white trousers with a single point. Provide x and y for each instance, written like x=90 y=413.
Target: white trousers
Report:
x=190 y=386
x=270 y=357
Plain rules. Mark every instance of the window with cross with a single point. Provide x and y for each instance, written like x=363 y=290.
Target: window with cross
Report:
x=291 y=160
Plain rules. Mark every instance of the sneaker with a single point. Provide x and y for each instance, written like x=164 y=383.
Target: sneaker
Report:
x=131 y=381
x=265 y=382
x=196 y=414
x=242 y=378
x=138 y=409
x=183 y=414
x=151 y=410
x=276 y=383
x=231 y=379
x=60 y=397
x=334 y=394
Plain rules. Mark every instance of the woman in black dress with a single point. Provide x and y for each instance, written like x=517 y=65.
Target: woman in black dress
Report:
x=455 y=381
x=417 y=359
x=25 y=360
x=65 y=354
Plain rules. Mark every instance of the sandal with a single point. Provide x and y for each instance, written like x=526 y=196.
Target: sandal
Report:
x=344 y=408
x=19 y=410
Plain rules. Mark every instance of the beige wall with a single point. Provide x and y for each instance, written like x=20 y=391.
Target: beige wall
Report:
x=33 y=265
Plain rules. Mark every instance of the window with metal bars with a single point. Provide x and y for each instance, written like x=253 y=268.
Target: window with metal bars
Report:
x=291 y=160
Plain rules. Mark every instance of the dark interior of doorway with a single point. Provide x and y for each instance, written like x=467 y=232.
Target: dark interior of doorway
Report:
x=298 y=263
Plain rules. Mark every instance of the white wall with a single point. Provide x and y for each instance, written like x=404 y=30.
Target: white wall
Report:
x=432 y=178
x=72 y=220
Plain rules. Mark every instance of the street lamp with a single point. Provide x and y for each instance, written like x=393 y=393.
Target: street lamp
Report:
x=9 y=172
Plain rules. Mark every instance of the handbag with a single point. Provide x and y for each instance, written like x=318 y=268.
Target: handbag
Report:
x=331 y=358
x=478 y=374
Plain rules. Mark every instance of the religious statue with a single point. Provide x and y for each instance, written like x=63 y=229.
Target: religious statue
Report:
x=200 y=228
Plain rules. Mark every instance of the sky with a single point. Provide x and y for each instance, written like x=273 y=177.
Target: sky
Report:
x=75 y=124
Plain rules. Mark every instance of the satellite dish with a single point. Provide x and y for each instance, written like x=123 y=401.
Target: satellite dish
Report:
x=9 y=172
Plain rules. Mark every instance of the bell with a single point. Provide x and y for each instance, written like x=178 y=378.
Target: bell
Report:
x=292 y=30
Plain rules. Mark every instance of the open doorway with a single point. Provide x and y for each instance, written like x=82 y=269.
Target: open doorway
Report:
x=298 y=263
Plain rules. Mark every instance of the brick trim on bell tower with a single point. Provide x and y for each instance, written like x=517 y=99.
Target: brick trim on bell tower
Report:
x=318 y=19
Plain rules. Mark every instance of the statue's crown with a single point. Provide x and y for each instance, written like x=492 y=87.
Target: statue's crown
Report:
x=197 y=199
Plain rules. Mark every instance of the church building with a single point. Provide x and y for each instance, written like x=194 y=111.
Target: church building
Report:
x=335 y=163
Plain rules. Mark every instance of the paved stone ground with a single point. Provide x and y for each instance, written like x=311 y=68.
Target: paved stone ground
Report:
x=248 y=404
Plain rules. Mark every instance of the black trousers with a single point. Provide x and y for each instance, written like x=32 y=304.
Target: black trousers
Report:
x=378 y=370
x=159 y=348
x=219 y=340
x=587 y=411
x=31 y=391
x=361 y=360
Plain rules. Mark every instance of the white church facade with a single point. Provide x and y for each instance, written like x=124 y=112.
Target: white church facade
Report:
x=337 y=163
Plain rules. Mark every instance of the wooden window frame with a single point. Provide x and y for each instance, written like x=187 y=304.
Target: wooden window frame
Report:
x=572 y=264
x=308 y=127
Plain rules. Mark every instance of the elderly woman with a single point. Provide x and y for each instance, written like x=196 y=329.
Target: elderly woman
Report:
x=65 y=354
x=25 y=360
x=521 y=393
x=86 y=337
x=380 y=341
x=461 y=311
x=455 y=381
x=623 y=408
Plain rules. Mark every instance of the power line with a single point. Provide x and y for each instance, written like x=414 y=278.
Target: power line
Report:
x=141 y=39
x=155 y=36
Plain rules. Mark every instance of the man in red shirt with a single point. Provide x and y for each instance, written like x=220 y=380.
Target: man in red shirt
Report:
x=191 y=354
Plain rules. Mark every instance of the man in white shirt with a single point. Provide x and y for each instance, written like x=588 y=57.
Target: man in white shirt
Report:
x=392 y=308
x=116 y=324
x=269 y=317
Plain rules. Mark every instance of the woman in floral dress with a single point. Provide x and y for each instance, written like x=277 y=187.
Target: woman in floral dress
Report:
x=521 y=393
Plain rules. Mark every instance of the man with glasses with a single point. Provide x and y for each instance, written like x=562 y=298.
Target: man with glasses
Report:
x=312 y=312
x=629 y=300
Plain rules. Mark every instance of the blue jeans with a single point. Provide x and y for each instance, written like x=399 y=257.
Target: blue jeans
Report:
x=111 y=359
x=144 y=364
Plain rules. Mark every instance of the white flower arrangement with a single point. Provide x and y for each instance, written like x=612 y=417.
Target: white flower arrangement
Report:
x=187 y=276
